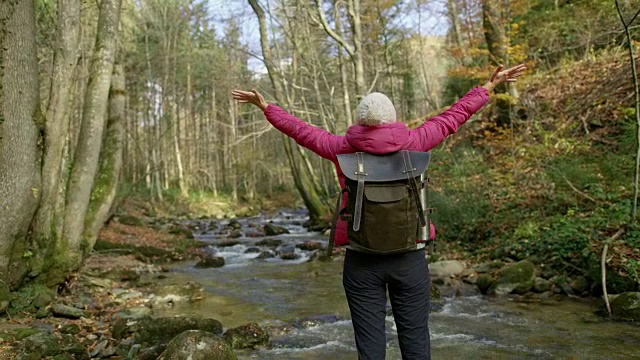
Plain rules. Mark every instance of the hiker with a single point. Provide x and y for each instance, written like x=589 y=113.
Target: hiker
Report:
x=367 y=277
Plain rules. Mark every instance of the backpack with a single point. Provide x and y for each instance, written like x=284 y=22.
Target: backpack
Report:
x=386 y=201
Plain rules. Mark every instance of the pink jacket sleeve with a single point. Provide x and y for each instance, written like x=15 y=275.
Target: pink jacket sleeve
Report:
x=436 y=129
x=313 y=138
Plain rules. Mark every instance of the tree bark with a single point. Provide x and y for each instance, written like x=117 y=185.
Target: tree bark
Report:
x=47 y=222
x=20 y=142
x=85 y=162
x=497 y=44
x=106 y=183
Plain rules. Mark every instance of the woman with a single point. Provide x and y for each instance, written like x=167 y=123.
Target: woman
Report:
x=367 y=277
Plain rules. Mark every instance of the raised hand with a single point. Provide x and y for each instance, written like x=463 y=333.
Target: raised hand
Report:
x=501 y=76
x=251 y=97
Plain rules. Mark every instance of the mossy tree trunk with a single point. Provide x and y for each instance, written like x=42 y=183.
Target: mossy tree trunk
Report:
x=69 y=250
x=303 y=182
x=105 y=185
x=20 y=140
x=47 y=224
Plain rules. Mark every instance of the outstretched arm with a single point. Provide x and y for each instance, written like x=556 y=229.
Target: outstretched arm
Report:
x=311 y=137
x=436 y=129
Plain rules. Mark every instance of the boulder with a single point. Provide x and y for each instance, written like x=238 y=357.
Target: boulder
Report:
x=197 y=345
x=446 y=269
x=234 y=234
x=541 y=285
x=227 y=243
x=234 y=224
x=271 y=230
x=288 y=252
x=626 y=306
x=517 y=278
x=484 y=283
x=273 y=243
x=252 y=250
x=310 y=245
x=210 y=261
x=158 y=330
x=247 y=336
x=265 y=255
x=580 y=285
x=43 y=344
x=66 y=311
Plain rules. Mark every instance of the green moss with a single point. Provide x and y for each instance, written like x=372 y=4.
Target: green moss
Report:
x=18 y=334
x=29 y=297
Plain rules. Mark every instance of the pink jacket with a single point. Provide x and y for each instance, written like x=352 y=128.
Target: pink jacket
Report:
x=382 y=139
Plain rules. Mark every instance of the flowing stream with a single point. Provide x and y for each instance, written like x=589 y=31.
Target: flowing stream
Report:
x=309 y=295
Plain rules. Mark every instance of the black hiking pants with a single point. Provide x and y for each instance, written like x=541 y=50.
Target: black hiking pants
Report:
x=366 y=279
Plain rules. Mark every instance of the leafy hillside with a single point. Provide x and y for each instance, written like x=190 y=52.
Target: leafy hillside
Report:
x=555 y=184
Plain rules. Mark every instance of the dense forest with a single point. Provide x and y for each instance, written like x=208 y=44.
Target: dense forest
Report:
x=113 y=99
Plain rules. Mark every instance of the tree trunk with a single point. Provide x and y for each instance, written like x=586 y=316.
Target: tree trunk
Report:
x=497 y=44
x=343 y=70
x=48 y=220
x=106 y=183
x=20 y=141
x=85 y=161
x=353 y=9
x=301 y=179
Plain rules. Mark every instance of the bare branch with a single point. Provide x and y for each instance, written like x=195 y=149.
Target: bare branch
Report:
x=331 y=32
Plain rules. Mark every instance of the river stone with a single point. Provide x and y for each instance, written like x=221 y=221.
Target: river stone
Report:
x=271 y=230
x=229 y=242
x=124 y=347
x=517 y=278
x=626 y=306
x=273 y=243
x=247 y=336
x=181 y=230
x=310 y=245
x=41 y=345
x=98 y=282
x=67 y=311
x=288 y=252
x=446 y=269
x=252 y=250
x=541 y=285
x=210 y=261
x=265 y=255
x=198 y=345
x=234 y=224
x=580 y=285
x=70 y=329
x=316 y=320
x=162 y=329
x=458 y=289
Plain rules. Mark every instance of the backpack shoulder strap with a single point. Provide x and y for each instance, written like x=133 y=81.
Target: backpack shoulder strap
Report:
x=360 y=175
x=410 y=171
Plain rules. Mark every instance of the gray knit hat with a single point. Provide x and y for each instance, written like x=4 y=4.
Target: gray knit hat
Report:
x=375 y=109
